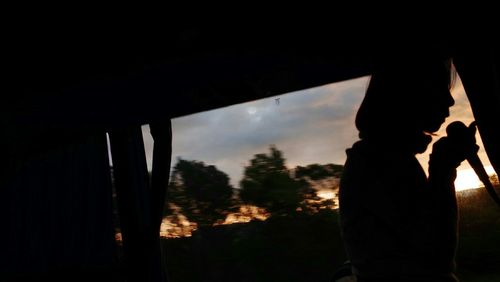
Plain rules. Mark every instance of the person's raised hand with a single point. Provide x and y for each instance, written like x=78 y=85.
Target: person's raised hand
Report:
x=448 y=152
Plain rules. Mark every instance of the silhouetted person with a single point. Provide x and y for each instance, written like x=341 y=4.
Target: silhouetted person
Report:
x=397 y=223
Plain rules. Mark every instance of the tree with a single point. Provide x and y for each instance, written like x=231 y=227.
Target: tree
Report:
x=202 y=193
x=267 y=183
x=319 y=177
x=318 y=172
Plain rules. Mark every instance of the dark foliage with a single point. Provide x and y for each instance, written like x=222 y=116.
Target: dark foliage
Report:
x=200 y=192
x=267 y=183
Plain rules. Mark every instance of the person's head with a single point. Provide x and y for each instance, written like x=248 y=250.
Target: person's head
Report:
x=409 y=100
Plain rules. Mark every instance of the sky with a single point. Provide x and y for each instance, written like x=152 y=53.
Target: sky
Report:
x=315 y=125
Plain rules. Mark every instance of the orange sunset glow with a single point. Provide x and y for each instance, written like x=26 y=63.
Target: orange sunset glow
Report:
x=467 y=179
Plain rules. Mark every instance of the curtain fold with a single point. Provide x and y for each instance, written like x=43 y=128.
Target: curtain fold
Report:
x=140 y=202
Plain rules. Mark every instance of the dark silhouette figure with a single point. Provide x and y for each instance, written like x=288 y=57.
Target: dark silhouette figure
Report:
x=398 y=224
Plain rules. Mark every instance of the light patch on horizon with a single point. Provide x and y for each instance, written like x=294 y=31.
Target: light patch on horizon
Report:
x=327 y=194
x=468 y=179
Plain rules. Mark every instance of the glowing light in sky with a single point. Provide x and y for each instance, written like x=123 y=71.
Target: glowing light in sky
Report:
x=467 y=179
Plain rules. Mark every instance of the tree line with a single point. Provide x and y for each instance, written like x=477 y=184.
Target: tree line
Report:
x=204 y=195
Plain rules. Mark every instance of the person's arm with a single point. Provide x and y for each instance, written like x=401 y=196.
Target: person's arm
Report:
x=447 y=154
x=437 y=218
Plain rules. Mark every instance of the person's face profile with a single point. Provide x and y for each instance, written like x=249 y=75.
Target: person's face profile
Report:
x=414 y=100
x=434 y=100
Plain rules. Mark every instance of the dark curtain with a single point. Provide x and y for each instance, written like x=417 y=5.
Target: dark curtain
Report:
x=58 y=203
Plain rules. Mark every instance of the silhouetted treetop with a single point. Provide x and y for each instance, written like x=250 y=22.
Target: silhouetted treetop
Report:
x=202 y=192
x=267 y=183
x=318 y=171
